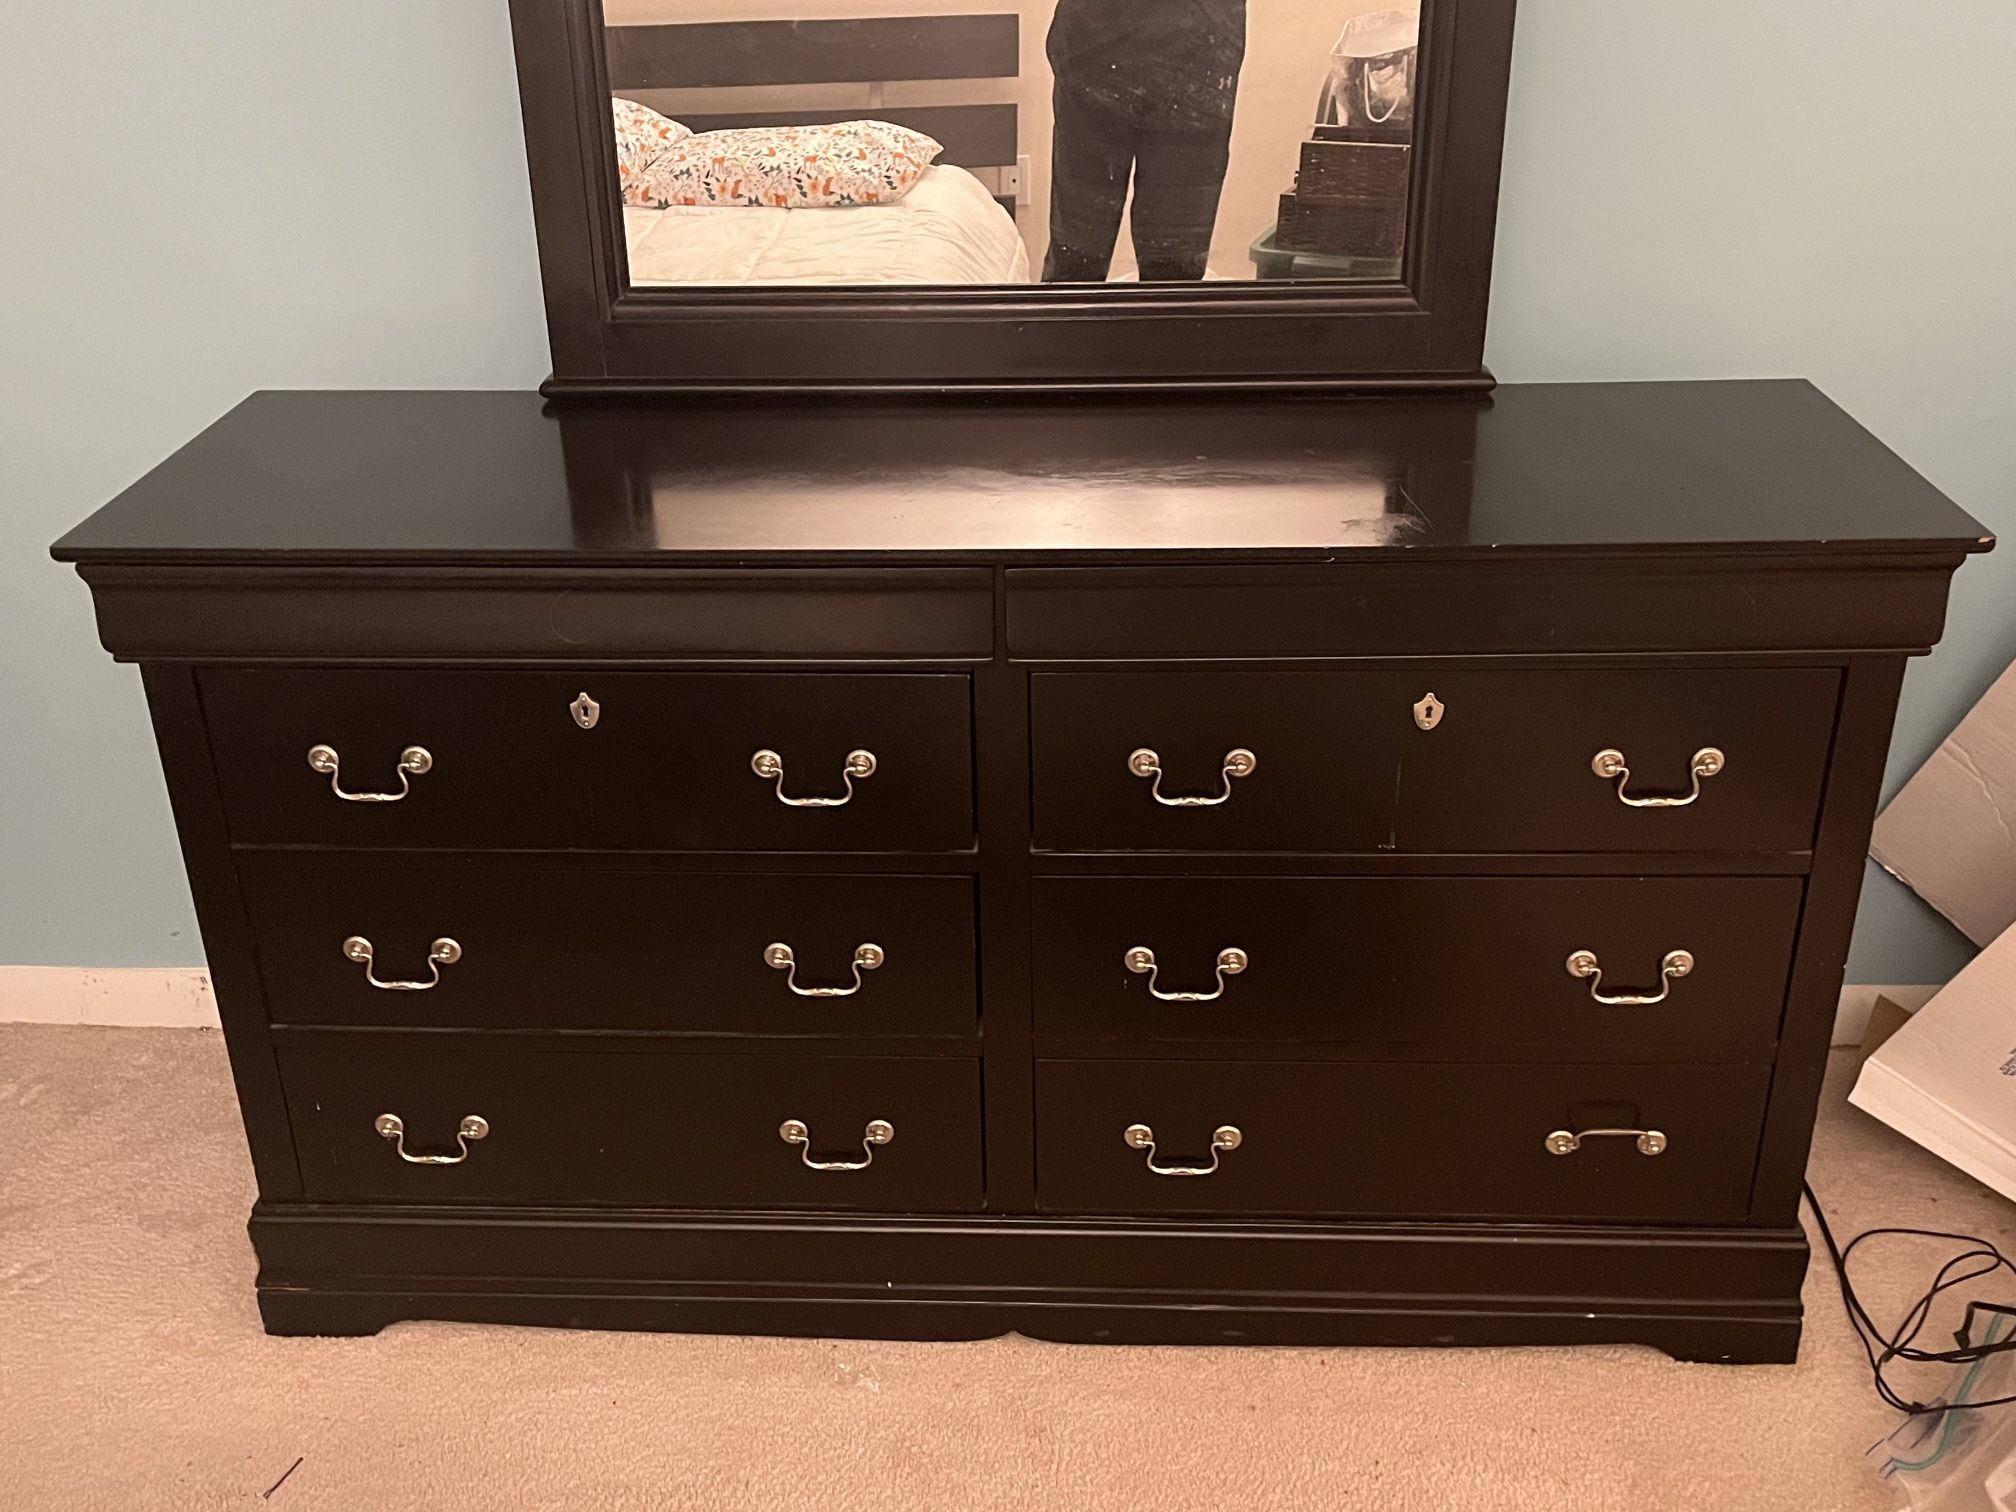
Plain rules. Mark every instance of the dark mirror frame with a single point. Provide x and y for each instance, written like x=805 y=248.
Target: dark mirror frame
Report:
x=1425 y=330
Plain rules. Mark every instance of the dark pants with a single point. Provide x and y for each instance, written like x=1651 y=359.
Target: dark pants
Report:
x=1177 y=174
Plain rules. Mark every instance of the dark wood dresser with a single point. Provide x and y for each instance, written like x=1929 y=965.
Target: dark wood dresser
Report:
x=1344 y=871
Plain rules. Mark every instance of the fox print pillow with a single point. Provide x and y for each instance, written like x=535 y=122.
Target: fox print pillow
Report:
x=791 y=167
x=642 y=135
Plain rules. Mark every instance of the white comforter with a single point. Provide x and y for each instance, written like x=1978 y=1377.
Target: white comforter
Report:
x=947 y=230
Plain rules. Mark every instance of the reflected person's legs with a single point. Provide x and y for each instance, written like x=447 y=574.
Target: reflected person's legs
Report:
x=1177 y=179
x=1091 y=156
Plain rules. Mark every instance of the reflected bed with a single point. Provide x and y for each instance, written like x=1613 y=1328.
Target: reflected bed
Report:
x=949 y=229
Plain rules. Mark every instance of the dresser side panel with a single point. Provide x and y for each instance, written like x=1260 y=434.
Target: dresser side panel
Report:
x=1847 y=814
x=193 y=794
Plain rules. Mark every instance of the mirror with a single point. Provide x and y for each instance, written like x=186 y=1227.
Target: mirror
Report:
x=895 y=142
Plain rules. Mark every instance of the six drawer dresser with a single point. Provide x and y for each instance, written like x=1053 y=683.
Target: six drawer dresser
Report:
x=1341 y=871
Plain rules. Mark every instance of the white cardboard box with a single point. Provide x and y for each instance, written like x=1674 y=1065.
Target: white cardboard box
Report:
x=1950 y=833
x=1948 y=1077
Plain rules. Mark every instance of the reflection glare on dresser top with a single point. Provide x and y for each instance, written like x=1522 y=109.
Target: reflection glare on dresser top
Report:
x=1348 y=871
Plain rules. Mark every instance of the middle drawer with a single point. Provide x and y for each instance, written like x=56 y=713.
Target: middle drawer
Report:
x=1442 y=963
x=490 y=944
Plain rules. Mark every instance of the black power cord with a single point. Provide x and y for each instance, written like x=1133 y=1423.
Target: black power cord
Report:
x=1980 y=1258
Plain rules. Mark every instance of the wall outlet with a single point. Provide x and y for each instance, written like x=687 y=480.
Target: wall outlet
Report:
x=1015 y=181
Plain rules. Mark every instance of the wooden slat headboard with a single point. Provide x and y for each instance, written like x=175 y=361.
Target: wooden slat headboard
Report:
x=870 y=50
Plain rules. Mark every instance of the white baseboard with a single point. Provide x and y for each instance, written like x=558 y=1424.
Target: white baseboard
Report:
x=172 y=996
x=180 y=996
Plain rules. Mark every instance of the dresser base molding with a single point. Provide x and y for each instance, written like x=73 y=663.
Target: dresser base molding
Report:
x=1721 y=1295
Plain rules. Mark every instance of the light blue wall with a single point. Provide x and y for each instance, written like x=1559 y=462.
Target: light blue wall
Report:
x=199 y=198
x=1821 y=188
x=209 y=197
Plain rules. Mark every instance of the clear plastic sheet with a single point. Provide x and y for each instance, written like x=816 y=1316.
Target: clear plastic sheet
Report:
x=1961 y=1459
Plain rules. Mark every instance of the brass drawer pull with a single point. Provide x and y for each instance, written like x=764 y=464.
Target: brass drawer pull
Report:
x=770 y=767
x=1672 y=966
x=866 y=958
x=1141 y=961
x=1141 y=1137
x=1649 y=1141
x=1239 y=762
x=1610 y=766
x=443 y=952
x=879 y=1132
x=412 y=762
x=391 y=1126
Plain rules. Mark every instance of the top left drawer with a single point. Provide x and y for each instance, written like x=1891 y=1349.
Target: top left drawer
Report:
x=590 y=760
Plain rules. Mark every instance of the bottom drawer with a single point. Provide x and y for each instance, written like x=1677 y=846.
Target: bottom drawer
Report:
x=647 y=1130
x=1395 y=1139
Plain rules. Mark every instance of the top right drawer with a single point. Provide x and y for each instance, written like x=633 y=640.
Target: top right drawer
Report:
x=1469 y=759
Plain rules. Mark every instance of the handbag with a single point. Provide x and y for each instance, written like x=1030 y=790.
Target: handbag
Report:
x=1372 y=70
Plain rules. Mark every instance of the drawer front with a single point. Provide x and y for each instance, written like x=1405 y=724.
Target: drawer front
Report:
x=1398 y=1140
x=1510 y=765
x=646 y=1130
x=1321 y=778
x=544 y=948
x=654 y=761
x=1444 y=964
x=1508 y=762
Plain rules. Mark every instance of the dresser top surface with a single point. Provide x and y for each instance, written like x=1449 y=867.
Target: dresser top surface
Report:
x=473 y=478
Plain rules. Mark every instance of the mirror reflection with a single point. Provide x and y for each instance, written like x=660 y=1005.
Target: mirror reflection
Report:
x=864 y=142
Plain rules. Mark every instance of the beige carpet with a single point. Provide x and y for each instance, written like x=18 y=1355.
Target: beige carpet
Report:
x=133 y=1374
